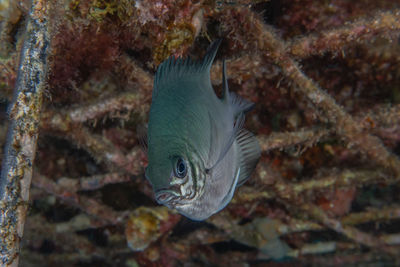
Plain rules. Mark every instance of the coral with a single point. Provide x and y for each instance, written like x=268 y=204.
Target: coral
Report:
x=325 y=79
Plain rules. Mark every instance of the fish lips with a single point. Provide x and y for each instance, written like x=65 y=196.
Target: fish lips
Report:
x=166 y=196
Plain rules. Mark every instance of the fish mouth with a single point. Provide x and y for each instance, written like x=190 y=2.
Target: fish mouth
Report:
x=166 y=196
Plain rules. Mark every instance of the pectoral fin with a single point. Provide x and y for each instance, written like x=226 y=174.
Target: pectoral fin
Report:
x=221 y=145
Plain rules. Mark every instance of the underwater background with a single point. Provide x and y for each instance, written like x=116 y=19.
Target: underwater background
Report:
x=325 y=80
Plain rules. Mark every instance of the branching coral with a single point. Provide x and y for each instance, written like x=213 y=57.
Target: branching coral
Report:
x=325 y=78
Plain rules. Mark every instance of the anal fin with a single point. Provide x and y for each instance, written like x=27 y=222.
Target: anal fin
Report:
x=250 y=153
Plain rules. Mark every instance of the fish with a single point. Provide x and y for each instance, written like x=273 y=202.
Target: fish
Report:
x=198 y=150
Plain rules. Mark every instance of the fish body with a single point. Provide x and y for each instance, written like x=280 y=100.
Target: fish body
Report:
x=197 y=149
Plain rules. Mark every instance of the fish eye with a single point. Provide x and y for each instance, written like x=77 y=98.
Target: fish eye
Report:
x=180 y=168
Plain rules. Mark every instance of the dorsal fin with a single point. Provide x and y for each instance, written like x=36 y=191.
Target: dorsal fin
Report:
x=172 y=70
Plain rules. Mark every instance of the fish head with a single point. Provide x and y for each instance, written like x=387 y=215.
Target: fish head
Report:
x=175 y=179
x=182 y=180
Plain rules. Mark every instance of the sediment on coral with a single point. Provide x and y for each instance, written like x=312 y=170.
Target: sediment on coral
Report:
x=325 y=79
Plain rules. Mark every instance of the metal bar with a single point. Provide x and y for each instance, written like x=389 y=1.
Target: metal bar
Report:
x=20 y=148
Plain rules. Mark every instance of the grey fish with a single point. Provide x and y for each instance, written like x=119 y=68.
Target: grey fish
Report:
x=198 y=150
